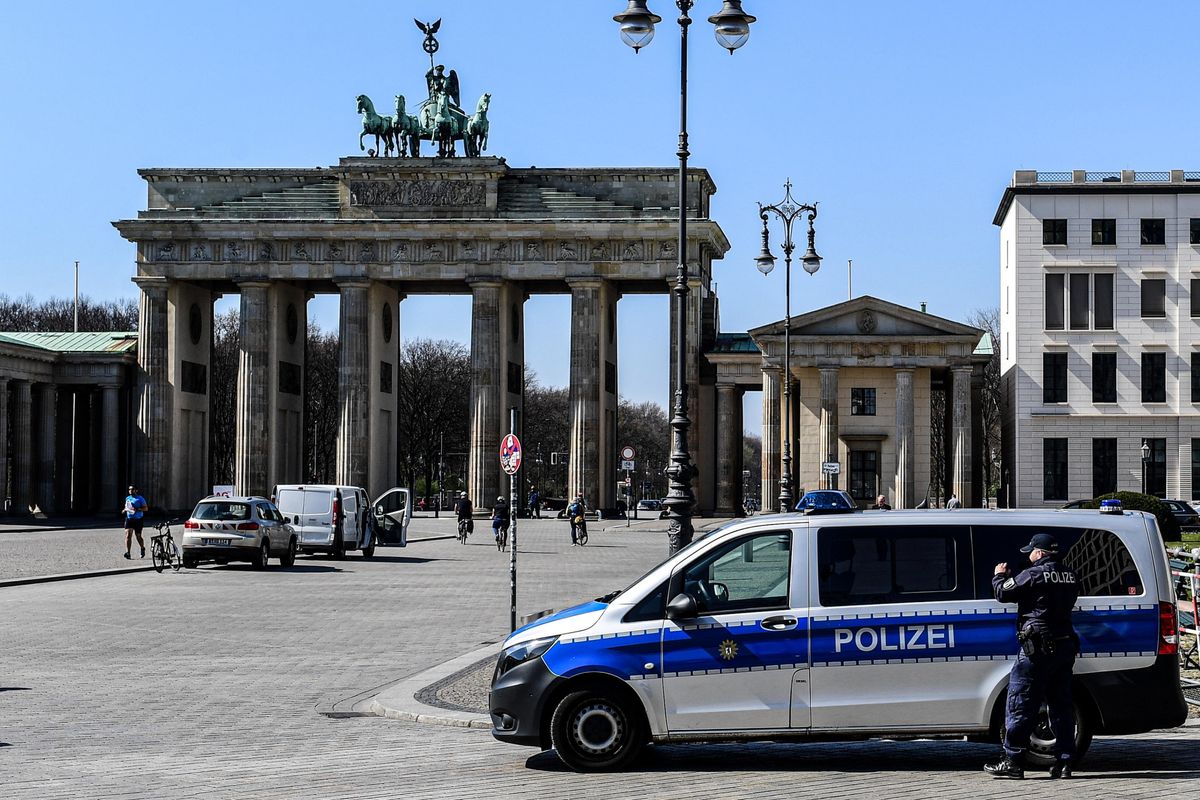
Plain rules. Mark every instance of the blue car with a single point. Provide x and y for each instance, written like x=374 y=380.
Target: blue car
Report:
x=826 y=501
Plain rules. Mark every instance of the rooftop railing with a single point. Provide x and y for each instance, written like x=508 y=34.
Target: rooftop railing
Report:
x=1023 y=177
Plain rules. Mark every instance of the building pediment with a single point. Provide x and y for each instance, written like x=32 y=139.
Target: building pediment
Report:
x=869 y=316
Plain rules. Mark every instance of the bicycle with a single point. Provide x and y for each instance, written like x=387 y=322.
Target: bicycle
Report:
x=163 y=550
x=580 y=531
x=501 y=537
x=464 y=530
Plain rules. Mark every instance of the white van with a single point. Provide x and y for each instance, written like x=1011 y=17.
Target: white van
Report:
x=334 y=519
x=850 y=625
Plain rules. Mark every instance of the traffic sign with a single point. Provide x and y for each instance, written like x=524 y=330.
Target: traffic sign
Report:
x=628 y=453
x=831 y=467
x=628 y=465
x=510 y=454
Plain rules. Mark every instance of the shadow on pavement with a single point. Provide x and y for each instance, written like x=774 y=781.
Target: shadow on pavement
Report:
x=14 y=688
x=272 y=568
x=377 y=559
x=1171 y=759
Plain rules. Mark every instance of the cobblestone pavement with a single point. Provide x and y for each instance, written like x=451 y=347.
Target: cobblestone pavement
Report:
x=212 y=683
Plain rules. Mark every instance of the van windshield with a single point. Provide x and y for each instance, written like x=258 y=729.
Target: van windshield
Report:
x=222 y=512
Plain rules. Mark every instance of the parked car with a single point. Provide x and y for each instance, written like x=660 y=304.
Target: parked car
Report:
x=225 y=529
x=329 y=519
x=826 y=501
x=1184 y=514
x=649 y=505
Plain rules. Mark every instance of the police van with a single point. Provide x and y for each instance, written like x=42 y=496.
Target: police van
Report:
x=842 y=626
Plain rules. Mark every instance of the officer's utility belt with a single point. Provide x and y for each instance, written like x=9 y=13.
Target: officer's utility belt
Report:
x=1035 y=641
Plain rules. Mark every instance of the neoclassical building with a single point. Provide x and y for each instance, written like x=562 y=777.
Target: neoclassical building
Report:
x=863 y=376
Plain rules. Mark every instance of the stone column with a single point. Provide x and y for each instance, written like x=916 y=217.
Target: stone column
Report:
x=906 y=451
x=961 y=434
x=483 y=470
x=769 y=497
x=583 y=473
x=110 y=437
x=251 y=440
x=729 y=445
x=190 y=326
x=153 y=451
x=3 y=440
x=383 y=363
x=829 y=421
x=22 y=467
x=47 y=450
x=353 y=443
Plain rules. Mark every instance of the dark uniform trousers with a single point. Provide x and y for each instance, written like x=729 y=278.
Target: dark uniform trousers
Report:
x=1033 y=678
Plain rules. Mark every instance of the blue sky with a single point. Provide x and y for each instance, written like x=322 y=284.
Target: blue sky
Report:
x=905 y=120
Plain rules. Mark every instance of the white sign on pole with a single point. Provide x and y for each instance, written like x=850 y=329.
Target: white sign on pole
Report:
x=223 y=491
x=831 y=467
x=628 y=465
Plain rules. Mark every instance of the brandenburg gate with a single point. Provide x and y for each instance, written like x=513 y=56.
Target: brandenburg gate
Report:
x=375 y=230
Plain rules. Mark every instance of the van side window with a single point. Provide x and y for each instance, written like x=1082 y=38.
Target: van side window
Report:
x=316 y=502
x=873 y=565
x=746 y=574
x=1102 y=561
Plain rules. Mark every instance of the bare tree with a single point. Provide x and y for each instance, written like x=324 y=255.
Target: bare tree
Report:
x=222 y=397
x=988 y=319
x=58 y=314
x=434 y=390
x=546 y=430
x=320 y=404
x=645 y=427
x=752 y=462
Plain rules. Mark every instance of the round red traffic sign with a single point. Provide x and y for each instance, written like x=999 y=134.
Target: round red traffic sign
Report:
x=510 y=454
x=628 y=453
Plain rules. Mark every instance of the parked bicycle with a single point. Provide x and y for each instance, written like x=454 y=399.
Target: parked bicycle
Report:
x=163 y=550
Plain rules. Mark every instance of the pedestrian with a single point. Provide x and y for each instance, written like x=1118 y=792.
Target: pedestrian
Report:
x=881 y=504
x=535 y=503
x=1045 y=594
x=575 y=512
x=135 y=511
x=501 y=514
x=953 y=502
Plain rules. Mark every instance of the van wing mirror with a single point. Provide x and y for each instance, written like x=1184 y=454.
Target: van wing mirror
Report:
x=683 y=606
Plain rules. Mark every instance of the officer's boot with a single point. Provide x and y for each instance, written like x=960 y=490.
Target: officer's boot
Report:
x=1061 y=768
x=1006 y=768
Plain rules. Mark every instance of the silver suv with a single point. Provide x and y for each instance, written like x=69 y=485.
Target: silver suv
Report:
x=225 y=529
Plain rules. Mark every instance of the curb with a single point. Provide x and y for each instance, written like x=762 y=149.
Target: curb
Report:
x=398 y=701
x=70 y=576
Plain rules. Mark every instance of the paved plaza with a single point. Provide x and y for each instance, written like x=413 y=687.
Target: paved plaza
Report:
x=228 y=682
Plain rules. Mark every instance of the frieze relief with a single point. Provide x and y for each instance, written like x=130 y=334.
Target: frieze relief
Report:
x=467 y=250
x=599 y=252
x=166 y=252
x=633 y=251
x=266 y=251
x=418 y=193
x=334 y=251
x=200 y=252
x=366 y=251
x=400 y=251
x=300 y=251
x=501 y=252
x=435 y=251
x=667 y=251
x=567 y=251
x=533 y=251
x=233 y=251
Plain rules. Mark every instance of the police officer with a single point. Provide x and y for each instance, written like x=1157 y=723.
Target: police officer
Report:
x=1045 y=594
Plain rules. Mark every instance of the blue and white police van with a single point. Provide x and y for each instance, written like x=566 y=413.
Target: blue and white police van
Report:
x=842 y=626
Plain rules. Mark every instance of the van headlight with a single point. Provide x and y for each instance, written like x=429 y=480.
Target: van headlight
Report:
x=520 y=653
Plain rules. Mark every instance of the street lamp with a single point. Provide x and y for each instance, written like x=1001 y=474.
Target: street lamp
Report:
x=732 y=29
x=1145 y=460
x=789 y=211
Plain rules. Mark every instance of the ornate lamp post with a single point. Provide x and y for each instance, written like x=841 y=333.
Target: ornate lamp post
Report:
x=789 y=211
x=1145 y=460
x=732 y=29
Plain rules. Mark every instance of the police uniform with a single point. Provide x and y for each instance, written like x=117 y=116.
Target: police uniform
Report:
x=1045 y=594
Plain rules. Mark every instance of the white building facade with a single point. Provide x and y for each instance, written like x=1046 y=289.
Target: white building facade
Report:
x=1099 y=335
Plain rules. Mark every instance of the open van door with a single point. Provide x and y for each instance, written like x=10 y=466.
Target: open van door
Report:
x=392 y=512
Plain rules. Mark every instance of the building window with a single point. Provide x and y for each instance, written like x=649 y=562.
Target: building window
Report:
x=1104 y=378
x=1196 y=377
x=862 y=402
x=1154 y=377
x=1054 y=231
x=1195 y=231
x=1054 y=377
x=1080 y=300
x=1195 y=293
x=1154 y=297
x=1054 y=469
x=1103 y=286
x=1104 y=466
x=1195 y=467
x=1104 y=231
x=1056 y=296
x=1154 y=231
x=1156 y=467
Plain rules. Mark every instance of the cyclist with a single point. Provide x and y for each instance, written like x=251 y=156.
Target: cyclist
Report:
x=501 y=514
x=463 y=511
x=575 y=512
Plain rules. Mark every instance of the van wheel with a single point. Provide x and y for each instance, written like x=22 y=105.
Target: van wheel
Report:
x=264 y=553
x=289 y=558
x=593 y=732
x=1041 y=741
x=189 y=562
x=368 y=552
